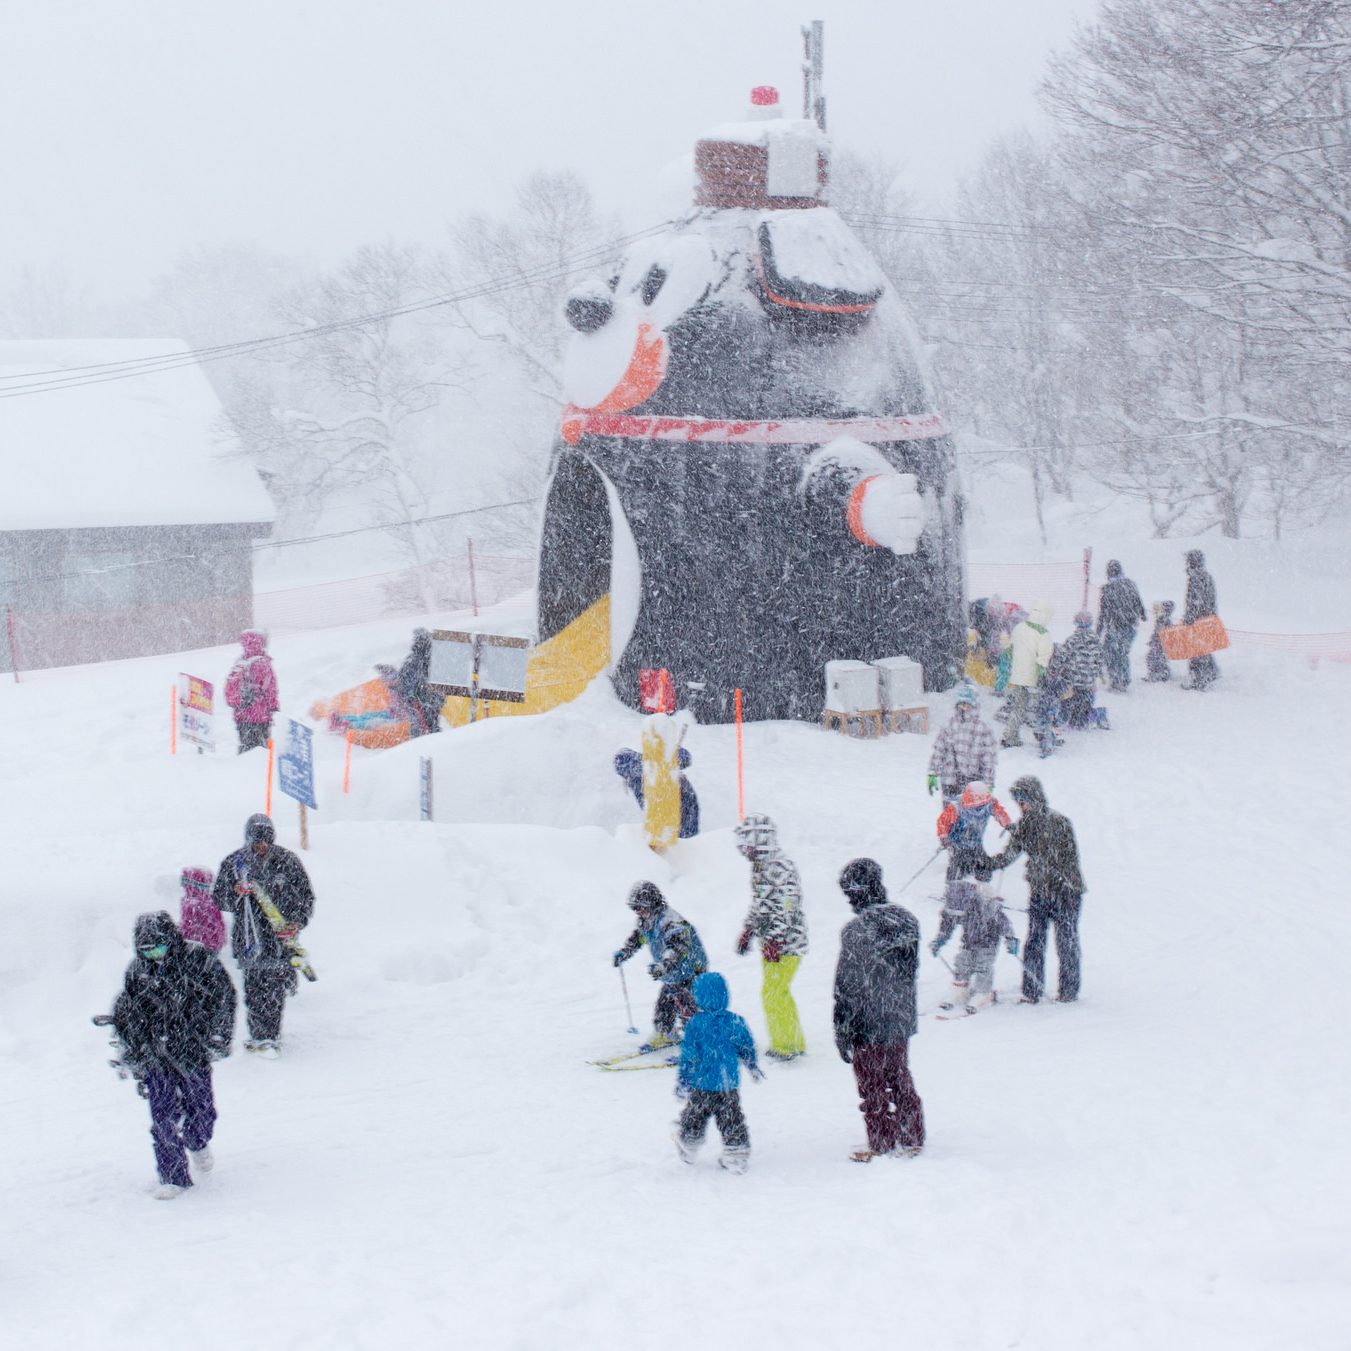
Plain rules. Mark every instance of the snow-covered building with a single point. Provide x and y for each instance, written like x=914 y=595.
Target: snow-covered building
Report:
x=129 y=513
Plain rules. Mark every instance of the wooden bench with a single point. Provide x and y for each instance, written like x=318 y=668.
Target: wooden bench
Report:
x=870 y=721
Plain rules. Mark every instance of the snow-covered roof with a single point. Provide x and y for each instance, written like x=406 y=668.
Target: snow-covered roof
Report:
x=150 y=449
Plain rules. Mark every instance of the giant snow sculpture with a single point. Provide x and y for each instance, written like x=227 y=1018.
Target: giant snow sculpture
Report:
x=750 y=478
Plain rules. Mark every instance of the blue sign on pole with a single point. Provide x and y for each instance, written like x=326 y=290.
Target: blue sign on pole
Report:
x=295 y=765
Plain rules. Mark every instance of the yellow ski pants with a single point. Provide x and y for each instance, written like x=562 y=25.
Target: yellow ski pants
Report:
x=785 y=1028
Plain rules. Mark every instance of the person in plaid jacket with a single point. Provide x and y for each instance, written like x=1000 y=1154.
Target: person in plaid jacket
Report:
x=964 y=749
x=776 y=919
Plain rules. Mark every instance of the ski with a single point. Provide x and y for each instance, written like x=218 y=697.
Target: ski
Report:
x=617 y=1066
x=299 y=958
x=619 y=1061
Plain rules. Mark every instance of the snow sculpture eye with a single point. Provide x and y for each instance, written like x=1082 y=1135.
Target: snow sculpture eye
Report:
x=652 y=283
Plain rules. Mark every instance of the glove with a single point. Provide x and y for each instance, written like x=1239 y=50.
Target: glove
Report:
x=1012 y=944
x=935 y=945
x=620 y=958
x=682 y=1091
x=218 y=1048
x=933 y=784
x=757 y=1074
x=141 y=1090
x=772 y=949
x=846 y=1057
x=743 y=943
x=654 y=970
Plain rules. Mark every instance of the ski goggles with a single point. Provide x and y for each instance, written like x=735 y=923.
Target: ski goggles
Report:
x=154 y=951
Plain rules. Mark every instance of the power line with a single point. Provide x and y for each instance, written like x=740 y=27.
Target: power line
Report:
x=38 y=382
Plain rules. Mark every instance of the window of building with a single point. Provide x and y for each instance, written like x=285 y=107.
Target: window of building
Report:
x=99 y=581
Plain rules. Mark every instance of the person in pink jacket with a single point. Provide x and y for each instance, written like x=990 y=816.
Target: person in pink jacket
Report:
x=251 y=691
x=199 y=920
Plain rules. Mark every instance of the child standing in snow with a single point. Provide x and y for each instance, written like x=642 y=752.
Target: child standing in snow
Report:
x=717 y=1042
x=975 y=907
x=1156 y=664
x=677 y=953
x=199 y=920
x=961 y=830
x=175 y=1015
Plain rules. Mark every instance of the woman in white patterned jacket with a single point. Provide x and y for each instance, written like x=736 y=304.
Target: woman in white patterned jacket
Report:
x=776 y=919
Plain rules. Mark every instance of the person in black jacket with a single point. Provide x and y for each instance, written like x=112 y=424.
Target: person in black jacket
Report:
x=269 y=975
x=1055 y=888
x=421 y=703
x=1200 y=603
x=1120 y=611
x=875 y=1014
x=175 y=1015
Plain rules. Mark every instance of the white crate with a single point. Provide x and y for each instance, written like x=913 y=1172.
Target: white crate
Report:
x=851 y=686
x=901 y=682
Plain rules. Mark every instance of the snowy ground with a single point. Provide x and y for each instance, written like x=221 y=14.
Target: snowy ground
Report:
x=434 y=1164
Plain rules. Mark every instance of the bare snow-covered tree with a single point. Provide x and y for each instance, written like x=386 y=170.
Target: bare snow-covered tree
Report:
x=1208 y=143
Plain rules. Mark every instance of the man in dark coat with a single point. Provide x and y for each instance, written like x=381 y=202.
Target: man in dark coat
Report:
x=1120 y=610
x=175 y=1015
x=420 y=702
x=1200 y=604
x=263 y=866
x=1055 y=888
x=875 y=1014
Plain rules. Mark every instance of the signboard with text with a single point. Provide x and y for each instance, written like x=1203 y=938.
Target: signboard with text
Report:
x=196 y=706
x=295 y=764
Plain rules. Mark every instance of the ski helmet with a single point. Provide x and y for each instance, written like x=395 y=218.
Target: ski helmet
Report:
x=861 y=882
x=975 y=794
x=646 y=898
x=756 y=832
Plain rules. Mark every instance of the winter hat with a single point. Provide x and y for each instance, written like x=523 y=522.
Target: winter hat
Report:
x=199 y=878
x=1195 y=558
x=966 y=694
x=861 y=882
x=1083 y=620
x=153 y=928
x=1114 y=568
x=253 y=641
x=1028 y=793
x=259 y=827
x=975 y=794
x=757 y=832
x=646 y=898
x=1041 y=613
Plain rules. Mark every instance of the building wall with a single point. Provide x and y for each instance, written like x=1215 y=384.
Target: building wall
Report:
x=79 y=596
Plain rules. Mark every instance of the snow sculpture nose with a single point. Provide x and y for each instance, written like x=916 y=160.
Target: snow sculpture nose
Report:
x=886 y=511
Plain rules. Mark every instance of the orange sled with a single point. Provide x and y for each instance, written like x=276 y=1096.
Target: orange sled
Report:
x=364 y=711
x=1182 y=642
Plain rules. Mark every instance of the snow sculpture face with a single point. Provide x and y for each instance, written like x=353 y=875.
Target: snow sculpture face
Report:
x=746 y=416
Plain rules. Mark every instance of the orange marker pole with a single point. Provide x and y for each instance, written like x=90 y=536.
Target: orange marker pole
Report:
x=173 y=719
x=268 y=807
x=347 y=765
x=740 y=766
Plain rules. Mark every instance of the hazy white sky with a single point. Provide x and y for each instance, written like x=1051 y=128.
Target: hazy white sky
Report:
x=137 y=128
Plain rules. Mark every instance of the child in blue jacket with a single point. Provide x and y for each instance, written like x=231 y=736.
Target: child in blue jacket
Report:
x=716 y=1042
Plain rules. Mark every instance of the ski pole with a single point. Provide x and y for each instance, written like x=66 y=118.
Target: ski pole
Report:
x=922 y=867
x=628 y=1008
